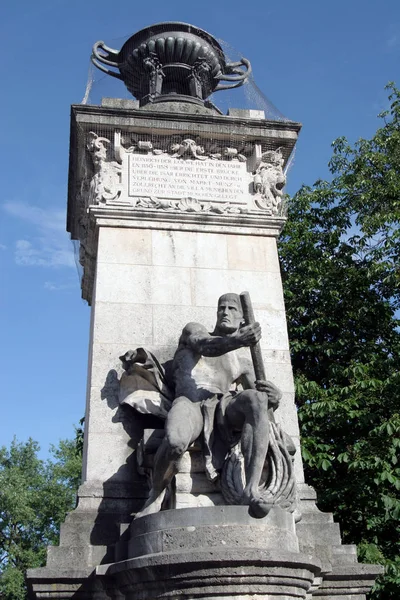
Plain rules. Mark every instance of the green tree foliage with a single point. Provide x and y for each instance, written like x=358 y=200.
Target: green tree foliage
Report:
x=35 y=496
x=340 y=257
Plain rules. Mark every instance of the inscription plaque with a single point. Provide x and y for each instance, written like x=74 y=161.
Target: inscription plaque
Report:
x=167 y=177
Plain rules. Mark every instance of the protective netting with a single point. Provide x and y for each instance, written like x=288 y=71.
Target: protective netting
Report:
x=249 y=96
x=98 y=166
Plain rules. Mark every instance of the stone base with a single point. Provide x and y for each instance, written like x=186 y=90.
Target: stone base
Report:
x=54 y=584
x=203 y=574
x=222 y=527
x=212 y=552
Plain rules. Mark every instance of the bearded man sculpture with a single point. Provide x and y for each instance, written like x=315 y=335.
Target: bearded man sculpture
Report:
x=205 y=369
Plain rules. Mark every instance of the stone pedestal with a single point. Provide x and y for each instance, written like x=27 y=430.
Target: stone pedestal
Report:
x=171 y=208
x=212 y=552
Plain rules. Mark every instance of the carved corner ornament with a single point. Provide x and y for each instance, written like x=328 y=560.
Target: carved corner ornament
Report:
x=106 y=182
x=269 y=181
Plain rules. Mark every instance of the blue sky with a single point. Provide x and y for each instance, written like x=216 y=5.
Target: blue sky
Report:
x=324 y=64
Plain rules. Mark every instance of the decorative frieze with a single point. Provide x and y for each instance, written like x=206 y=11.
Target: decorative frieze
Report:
x=180 y=147
x=191 y=205
x=183 y=174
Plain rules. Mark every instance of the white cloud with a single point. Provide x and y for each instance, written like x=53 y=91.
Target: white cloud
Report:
x=45 y=253
x=51 y=219
x=57 y=287
x=48 y=245
x=3 y=247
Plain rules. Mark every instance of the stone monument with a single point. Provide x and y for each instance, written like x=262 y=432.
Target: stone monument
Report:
x=192 y=478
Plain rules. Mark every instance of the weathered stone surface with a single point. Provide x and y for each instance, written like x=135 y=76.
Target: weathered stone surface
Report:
x=142 y=284
x=275 y=336
x=212 y=551
x=80 y=584
x=220 y=516
x=252 y=253
x=210 y=573
x=190 y=249
x=192 y=462
x=179 y=108
x=227 y=526
x=265 y=288
x=122 y=323
x=125 y=103
x=170 y=320
x=246 y=113
x=348 y=582
x=75 y=556
x=125 y=246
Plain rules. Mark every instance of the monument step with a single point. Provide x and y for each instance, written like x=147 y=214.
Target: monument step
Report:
x=77 y=557
x=344 y=554
x=214 y=573
x=312 y=534
x=96 y=529
x=348 y=581
x=316 y=517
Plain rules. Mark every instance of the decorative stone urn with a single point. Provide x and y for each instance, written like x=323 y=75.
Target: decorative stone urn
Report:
x=171 y=61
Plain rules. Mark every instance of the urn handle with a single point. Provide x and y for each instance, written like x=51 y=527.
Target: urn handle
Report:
x=107 y=56
x=234 y=74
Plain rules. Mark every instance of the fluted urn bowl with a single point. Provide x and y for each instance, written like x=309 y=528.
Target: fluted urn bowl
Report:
x=170 y=60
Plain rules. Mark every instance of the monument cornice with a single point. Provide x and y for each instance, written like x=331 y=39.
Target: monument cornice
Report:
x=88 y=115
x=243 y=224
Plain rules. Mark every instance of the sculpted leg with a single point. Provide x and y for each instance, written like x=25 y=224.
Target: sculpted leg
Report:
x=248 y=412
x=182 y=427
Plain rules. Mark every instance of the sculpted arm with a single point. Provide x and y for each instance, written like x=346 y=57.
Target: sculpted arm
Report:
x=197 y=337
x=247 y=380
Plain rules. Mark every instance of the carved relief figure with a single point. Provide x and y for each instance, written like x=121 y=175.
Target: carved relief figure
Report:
x=106 y=181
x=189 y=147
x=269 y=181
x=206 y=370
